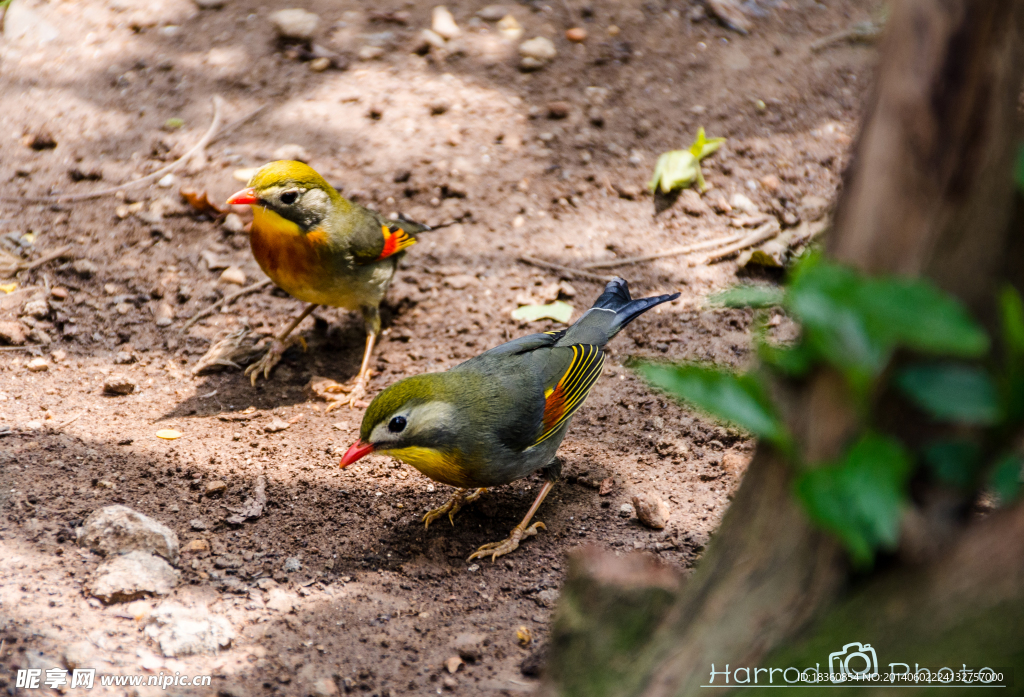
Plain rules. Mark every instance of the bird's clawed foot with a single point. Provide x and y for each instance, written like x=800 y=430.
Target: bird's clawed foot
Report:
x=354 y=393
x=272 y=357
x=509 y=544
x=452 y=506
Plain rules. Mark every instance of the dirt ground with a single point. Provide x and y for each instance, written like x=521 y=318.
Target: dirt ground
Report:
x=379 y=603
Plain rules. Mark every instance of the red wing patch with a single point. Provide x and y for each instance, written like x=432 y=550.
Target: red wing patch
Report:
x=567 y=396
x=395 y=240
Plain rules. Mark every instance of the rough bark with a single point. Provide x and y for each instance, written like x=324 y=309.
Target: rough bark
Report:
x=929 y=193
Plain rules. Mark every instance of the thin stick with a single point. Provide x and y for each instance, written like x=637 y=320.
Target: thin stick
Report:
x=765 y=232
x=72 y=420
x=227 y=299
x=203 y=142
x=565 y=269
x=695 y=247
x=56 y=254
x=29 y=347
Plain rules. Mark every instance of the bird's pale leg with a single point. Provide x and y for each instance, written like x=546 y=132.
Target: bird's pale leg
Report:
x=452 y=506
x=524 y=529
x=278 y=345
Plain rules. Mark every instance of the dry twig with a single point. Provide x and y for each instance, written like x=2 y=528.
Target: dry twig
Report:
x=226 y=300
x=197 y=148
x=565 y=269
x=695 y=247
x=765 y=232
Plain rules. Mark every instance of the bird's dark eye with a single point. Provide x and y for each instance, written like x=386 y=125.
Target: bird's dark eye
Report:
x=397 y=424
x=289 y=197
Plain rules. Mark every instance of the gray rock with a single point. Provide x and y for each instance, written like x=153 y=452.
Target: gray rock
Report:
x=292 y=564
x=492 y=13
x=233 y=223
x=228 y=561
x=198 y=524
x=119 y=529
x=295 y=23
x=216 y=488
x=131 y=576
x=276 y=425
x=546 y=598
x=625 y=511
x=182 y=631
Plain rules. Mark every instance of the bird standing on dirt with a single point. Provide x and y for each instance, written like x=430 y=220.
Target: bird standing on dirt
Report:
x=500 y=416
x=323 y=249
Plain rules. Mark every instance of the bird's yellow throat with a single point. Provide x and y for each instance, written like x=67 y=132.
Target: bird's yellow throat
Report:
x=439 y=466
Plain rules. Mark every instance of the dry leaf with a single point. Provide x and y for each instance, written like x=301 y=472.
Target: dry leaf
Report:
x=607 y=486
x=168 y=434
x=559 y=311
x=524 y=636
x=234 y=350
x=253 y=506
x=9 y=287
x=201 y=203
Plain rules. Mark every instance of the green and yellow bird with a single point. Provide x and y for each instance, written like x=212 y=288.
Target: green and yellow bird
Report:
x=500 y=416
x=323 y=249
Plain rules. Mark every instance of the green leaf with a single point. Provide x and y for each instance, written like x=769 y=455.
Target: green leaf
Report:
x=1012 y=314
x=173 y=123
x=748 y=296
x=952 y=392
x=702 y=146
x=678 y=169
x=823 y=297
x=559 y=311
x=860 y=498
x=794 y=361
x=953 y=461
x=915 y=314
x=737 y=399
x=1018 y=169
x=1005 y=478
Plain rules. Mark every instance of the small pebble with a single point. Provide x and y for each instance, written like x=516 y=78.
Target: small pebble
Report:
x=233 y=274
x=276 y=425
x=741 y=202
x=318 y=65
x=36 y=308
x=215 y=488
x=370 y=53
x=443 y=23
x=197 y=524
x=84 y=268
x=492 y=13
x=537 y=52
x=233 y=223
x=558 y=110
x=37 y=365
x=771 y=183
x=118 y=385
x=510 y=28
x=167 y=181
x=651 y=511
x=576 y=34
x=164 y=314
x=295 y=23
x=292 y=564
x=59 y=293
x=625 y=511
x=460 y=281
x=197 y=545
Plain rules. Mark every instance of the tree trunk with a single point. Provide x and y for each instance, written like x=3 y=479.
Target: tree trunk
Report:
x=930 y=193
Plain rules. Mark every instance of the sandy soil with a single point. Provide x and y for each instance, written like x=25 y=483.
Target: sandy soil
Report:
x=379 y=603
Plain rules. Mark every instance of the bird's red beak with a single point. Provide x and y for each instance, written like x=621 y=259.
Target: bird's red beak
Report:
x=357 y=451
x=243 y=197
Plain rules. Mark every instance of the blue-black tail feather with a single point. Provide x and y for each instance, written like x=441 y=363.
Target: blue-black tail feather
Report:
x=616 y=297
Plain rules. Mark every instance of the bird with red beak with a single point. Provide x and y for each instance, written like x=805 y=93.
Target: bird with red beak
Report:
x=500 y=416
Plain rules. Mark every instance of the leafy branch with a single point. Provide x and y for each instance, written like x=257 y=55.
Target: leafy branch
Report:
x=885 y=336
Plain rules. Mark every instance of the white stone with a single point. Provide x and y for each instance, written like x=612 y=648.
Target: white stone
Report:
x=233 y=274
x=741 y=202
x=539 y=48
x=119 y=529
x=443 y=23
x=295 y=23
x=37 y=365
x=133 y=575
x=182 y=631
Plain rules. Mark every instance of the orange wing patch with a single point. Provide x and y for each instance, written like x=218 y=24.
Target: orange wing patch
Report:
x=562 y=401
x=395 y=240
